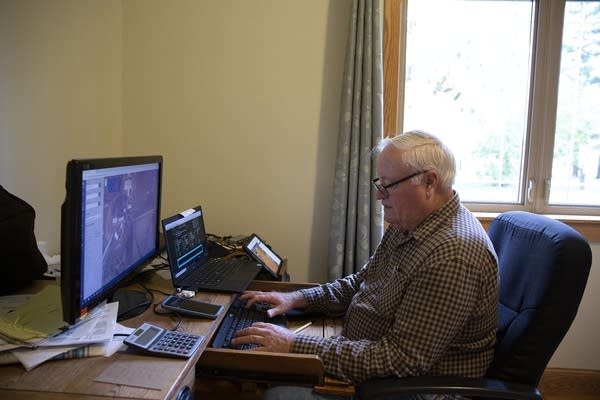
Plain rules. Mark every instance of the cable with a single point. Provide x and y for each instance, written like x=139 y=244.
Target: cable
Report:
x=154 y=290
x=171 y=314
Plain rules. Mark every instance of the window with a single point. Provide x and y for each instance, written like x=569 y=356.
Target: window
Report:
x=576 y=161
x=513 y=87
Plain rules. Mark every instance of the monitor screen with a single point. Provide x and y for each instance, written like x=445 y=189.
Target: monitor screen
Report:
x=109 y=229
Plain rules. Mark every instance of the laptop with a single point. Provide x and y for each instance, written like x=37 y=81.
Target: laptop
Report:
x=192 y=264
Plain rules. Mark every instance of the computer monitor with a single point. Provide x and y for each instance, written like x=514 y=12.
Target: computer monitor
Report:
x=109 y=229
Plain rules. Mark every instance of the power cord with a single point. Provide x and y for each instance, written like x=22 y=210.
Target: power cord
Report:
x=172 y=314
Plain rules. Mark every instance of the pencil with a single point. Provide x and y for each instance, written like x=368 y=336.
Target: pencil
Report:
x=303 y=327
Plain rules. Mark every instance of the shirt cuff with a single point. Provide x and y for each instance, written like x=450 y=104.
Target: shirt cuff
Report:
x=312 y=295
x=306 y=344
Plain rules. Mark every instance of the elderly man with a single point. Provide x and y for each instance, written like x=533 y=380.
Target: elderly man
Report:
x=424 y=304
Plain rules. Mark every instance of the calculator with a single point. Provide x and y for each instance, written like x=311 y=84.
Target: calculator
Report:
x=162 y=342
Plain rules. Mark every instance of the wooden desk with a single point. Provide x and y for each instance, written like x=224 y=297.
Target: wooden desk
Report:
x=75 y=379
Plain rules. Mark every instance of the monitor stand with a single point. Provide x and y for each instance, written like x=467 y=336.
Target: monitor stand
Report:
x=131 y=303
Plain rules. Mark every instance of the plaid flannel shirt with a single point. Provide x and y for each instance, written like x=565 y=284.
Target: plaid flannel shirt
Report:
x=425 y=304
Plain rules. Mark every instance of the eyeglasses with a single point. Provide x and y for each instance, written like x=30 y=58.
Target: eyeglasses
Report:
x=383 y=189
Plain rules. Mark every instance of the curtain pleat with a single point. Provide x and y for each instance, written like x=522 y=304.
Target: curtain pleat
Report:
x=356 y=216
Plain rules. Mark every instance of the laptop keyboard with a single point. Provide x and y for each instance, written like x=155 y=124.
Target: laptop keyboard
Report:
x=240 y=317
x=213 y=271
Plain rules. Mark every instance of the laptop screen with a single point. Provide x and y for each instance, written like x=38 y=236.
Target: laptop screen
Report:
x=185 y=239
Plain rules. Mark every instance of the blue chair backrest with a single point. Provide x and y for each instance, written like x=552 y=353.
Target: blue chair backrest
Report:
x=543 y=265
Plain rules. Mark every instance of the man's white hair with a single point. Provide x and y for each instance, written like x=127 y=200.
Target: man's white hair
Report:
x=422 y=151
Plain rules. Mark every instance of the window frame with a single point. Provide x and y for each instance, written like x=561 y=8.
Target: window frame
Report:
x=543 y=102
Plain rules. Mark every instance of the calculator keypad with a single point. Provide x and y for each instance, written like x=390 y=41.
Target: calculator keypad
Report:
x=156 y=340
x=177 y=344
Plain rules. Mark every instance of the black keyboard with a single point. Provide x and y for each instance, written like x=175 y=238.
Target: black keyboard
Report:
x=239 y=317
x=214 y=270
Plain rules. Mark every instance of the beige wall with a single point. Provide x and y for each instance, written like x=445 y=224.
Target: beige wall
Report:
x=240 y=97
x=60 y=96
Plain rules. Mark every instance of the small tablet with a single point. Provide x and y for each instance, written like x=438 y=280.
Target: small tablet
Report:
x=259 y=251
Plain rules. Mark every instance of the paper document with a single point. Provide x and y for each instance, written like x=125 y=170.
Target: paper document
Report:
x=99 y=326
x=39 y=317
x=31 y=358
x=8 y=304
x=4 y=345
x=11 y=302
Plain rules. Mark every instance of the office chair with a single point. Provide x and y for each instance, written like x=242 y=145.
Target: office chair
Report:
x=543 y=266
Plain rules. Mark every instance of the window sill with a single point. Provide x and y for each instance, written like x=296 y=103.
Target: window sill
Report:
x=588 y=226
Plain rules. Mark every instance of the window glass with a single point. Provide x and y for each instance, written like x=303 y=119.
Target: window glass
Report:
x=468 y=69
x=576 y=161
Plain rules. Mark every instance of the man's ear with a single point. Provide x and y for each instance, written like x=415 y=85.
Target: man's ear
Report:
x=431 y=178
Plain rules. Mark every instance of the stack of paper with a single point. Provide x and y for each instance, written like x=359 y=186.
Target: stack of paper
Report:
x=32 y=330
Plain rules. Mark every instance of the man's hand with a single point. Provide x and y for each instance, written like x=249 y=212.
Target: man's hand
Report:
x=280 y=301
x=269 y=337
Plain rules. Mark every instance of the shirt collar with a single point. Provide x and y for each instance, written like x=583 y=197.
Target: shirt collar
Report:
x=437 y=219
x=429 y=226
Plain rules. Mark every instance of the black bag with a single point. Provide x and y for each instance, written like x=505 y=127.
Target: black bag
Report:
x=21 y=260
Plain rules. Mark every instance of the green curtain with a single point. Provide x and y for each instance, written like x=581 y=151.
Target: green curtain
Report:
x=356 y=216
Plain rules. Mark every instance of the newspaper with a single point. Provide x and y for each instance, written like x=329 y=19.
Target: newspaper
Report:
x=92 y=336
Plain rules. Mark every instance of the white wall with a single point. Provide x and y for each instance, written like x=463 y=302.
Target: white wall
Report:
x=240 y=97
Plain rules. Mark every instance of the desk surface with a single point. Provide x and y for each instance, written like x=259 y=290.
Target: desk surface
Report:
x=75 y=378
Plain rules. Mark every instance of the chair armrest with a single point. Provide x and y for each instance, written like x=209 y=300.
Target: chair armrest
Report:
x=470 y=387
